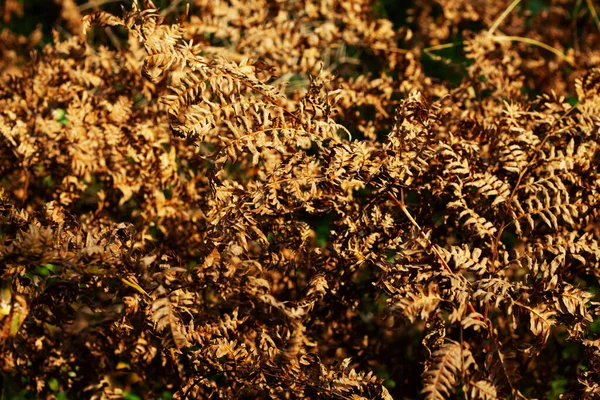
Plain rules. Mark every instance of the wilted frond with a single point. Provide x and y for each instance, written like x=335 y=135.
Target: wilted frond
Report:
x=449 y=364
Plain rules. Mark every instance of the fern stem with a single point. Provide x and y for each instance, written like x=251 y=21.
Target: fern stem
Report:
x=503 y=16
x=594 y=13
x=534 y=43
x=433 y=248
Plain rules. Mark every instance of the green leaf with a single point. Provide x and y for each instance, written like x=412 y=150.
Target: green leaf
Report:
x=53 y=384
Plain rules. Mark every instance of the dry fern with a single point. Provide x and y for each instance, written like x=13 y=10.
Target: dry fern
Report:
x=280 y=199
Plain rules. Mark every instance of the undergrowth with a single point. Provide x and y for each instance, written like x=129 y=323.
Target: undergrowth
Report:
x=300 y=199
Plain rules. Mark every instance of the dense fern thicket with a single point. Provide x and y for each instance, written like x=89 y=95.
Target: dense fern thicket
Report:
x=310 y=199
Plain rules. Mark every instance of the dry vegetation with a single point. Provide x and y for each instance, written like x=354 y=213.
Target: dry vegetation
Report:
x=299 y=199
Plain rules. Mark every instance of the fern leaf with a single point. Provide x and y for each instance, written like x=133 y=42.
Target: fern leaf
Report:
x=164 y=315
x=449 y=361
x=419 y=303
x=484 y=390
